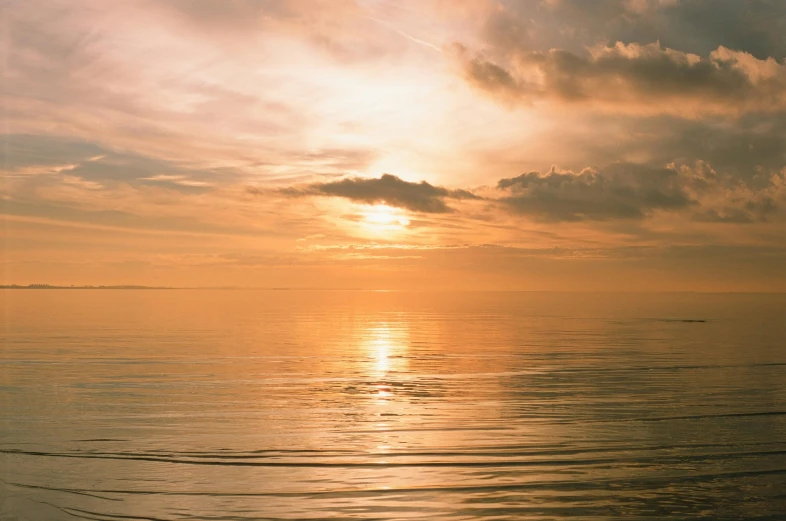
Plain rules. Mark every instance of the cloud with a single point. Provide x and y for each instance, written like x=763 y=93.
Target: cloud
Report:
x=754 y=26
x=633 y=77
x=630 y=191
x=30 y=156
x=696 y=26
x=334 y=26
x=183 y=81
x=177 y=179
x=727 y=199
x=615 y=192
x=621 y=192
x=389 y=190
x=82 y=183
x=740 y=146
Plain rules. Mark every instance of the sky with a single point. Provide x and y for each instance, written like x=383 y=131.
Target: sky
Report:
x=611 y=145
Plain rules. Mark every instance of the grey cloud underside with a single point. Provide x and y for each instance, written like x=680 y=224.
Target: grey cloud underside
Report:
x=620 y=191
x=388 y=189
x=741 y=148
x=754 y=26
x=696 y=26
x=593 y=195
x=621 y=75
x=715 y=55
x=629 y=191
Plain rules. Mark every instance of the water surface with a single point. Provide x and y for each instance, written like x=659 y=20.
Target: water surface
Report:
x=234 y=405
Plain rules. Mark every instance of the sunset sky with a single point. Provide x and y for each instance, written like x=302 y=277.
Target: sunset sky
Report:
x=412 y=144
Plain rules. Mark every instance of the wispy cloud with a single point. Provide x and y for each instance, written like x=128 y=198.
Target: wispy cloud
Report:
x=177 y=179
x=260 y=129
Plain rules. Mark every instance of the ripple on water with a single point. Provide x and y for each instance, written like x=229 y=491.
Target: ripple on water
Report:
x=352 y=405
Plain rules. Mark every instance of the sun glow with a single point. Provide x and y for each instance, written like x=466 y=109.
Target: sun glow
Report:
x=381 y=218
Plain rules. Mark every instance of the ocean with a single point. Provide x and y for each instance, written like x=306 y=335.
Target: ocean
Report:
x=253 y=404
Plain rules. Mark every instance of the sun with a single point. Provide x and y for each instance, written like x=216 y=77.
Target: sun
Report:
x=381 y=218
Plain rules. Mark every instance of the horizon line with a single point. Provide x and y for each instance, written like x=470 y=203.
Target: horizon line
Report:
x=379 y=290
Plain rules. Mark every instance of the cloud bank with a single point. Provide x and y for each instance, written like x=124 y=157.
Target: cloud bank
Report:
x=617 y=193
x=631 y=191
x=633 y=77
x=620 y=191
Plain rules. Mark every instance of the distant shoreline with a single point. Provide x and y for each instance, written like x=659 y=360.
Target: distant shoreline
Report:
x=47 y=286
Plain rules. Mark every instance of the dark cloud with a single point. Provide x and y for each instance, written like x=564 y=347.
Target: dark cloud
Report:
x=751 y=144
x=635 y=77
x=696 y=26
x=753 y=26
x=630 y=191
x=741 y=147
x=617 y=192
x=620 y=192
x=389 y=190
x=726 y=199
x=673 y=55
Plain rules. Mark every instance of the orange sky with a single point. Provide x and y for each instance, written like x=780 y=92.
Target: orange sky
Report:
x=430 y=144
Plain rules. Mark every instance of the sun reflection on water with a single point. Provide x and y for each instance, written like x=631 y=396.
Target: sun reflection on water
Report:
x=386 y=345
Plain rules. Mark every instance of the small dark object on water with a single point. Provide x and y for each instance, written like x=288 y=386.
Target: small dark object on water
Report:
x=683 y=320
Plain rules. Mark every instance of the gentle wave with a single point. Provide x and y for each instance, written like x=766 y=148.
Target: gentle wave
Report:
x=254 y=405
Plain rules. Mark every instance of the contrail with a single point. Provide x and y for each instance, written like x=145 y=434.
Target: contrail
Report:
x=405 y=35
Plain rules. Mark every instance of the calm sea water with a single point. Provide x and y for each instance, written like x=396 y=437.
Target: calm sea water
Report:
x=234 y=405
